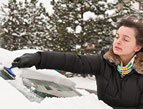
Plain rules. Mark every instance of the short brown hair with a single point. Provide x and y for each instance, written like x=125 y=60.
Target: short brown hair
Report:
x=134 y=22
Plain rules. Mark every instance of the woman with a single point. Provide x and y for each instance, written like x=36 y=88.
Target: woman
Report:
x=118 y=70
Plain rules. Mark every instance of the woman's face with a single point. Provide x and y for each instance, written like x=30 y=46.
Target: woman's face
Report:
x=125 y=42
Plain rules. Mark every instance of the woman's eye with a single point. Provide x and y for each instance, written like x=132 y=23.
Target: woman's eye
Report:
x=126 y=40
x=117 y=37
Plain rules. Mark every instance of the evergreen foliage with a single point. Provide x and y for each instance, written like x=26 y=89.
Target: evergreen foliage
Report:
x=28 y=25
x=69 y=18
x=24 y=25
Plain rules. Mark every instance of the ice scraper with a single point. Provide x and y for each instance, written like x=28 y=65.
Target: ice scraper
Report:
x=7 y=73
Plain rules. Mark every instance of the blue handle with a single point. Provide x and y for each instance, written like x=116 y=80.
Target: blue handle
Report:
x=10 y=71
x=12 y=67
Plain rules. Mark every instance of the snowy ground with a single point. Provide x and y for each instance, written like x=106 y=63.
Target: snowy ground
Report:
x=9 y=94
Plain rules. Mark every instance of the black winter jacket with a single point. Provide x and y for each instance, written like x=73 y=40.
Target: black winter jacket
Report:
x=119 y=93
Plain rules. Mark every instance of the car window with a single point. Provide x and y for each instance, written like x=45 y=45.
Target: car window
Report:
x=36 y=90
x=44 y=89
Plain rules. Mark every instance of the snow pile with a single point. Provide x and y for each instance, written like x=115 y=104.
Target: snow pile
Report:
x=85 y=83
x=4 y=55
x=47 y=75
x=84 y=102
x=12 y=98
x=89 y=15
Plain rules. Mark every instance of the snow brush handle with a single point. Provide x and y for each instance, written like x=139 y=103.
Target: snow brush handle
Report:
x=12 y=67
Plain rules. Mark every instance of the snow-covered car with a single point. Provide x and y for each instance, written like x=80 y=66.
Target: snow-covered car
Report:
x=41 y=88
x=38 y=84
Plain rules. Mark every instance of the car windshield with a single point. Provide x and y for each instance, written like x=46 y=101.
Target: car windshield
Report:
x=36 y=90
x=42 y=89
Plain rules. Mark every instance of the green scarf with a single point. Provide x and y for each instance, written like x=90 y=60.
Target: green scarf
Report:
x=124 y=70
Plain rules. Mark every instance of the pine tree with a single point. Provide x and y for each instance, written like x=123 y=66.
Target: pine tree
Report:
x=24 y=25
x=28 y=25
x=69 y=16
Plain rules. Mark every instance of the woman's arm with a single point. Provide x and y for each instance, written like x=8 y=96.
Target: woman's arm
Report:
x=83 y=64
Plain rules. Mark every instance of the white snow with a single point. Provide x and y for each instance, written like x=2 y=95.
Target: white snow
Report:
x=14 y=98
x=46 y=3
x=110 y=12
x=84 y=102
x=50 y=75
x=70 y=30
x=85 y=83
x=89 y=15
x=49 y=7
x=112 y=1
x=78 y=29
x=78 y=46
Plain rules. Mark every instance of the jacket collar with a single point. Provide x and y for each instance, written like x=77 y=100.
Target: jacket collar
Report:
x=113 y=58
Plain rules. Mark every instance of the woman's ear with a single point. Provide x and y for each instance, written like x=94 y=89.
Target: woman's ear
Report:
x=138 y=48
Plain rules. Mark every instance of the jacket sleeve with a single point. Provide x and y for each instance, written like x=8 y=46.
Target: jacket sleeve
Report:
x=82 y=64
